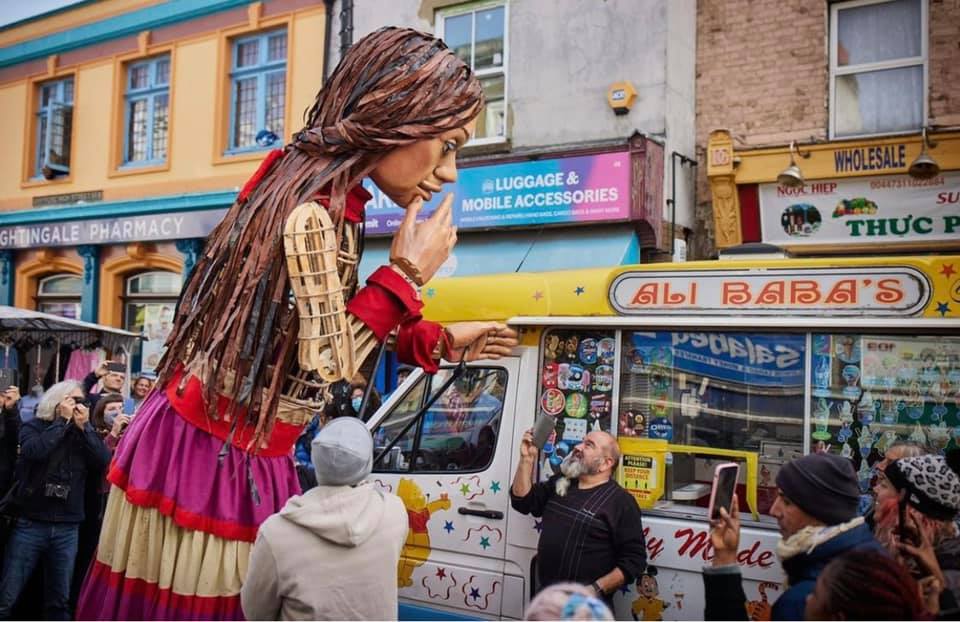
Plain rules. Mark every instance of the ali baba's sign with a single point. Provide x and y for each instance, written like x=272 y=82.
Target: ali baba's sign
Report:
x=861 y=291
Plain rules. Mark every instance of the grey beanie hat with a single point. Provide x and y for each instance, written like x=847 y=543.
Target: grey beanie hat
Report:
x=342 y=452
x=822 y=485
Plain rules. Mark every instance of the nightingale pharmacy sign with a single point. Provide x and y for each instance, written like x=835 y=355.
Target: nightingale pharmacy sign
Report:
x=868 y=210
x=152 y=227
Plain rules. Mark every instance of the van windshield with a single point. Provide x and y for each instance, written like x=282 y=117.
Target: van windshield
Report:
x=459 y=431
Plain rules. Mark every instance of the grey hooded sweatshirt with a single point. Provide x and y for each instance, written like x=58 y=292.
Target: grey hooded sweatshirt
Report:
x=329 y=554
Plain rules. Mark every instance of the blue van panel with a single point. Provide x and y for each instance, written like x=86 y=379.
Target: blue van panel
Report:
x=417 y=612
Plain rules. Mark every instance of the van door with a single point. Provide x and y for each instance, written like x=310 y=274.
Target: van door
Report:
x=452 y=471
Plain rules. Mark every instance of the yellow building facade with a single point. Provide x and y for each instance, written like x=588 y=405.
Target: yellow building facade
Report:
x=131 y=125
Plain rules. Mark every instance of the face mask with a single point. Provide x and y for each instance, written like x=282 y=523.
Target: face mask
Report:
x=356 y=402
x=109 y=418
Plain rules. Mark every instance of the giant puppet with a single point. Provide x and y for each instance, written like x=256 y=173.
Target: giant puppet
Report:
x=271 y=314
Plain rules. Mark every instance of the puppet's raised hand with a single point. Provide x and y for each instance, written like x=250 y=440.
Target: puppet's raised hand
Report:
x=419 y=250
x=483 y=340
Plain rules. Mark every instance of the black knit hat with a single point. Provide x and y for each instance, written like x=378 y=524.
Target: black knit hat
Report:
x=931 y=481
x=822 y=485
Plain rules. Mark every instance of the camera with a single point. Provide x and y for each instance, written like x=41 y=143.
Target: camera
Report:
x=57 y=491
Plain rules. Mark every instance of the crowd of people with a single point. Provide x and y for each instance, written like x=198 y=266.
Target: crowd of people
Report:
x=898 y=562
x=53 y=486
x=901 y=560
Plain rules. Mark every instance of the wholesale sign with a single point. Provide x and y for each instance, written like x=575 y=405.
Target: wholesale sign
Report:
x=869 y=210
x=556 y=191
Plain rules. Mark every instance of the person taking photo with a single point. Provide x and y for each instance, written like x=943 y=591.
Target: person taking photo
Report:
x=57 y=450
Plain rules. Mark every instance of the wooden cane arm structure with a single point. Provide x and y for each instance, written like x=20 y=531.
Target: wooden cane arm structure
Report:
x=332 y=342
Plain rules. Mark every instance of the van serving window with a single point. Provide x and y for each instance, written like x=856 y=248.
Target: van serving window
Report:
x=458 y=434
x=720 y=390
x=869 y=391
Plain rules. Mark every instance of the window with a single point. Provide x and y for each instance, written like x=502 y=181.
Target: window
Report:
x=54 y=124
x=459 y=432
x=477 y=34
x=149 y=306
x=258 y=90
x=878 y=56
x=869 y=391
x=147 y=111
x=742 y=391
x=60 y=295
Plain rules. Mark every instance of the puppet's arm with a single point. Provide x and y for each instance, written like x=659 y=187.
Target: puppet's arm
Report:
x=335 y=338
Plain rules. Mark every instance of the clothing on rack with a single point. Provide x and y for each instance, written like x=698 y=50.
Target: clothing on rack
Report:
x=82 y=362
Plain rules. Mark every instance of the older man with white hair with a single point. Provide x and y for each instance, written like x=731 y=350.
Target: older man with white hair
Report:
x=591 y=528
x=58 y=448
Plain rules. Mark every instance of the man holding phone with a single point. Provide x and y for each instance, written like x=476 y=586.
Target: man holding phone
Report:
x=592 y=531
x=816 y=510
x=111 y=375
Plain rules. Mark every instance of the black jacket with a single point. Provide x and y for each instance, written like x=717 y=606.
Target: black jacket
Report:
x=9 y=439
x=585 y=534
x=57 y=453
x=88 y=383
x=723 y=594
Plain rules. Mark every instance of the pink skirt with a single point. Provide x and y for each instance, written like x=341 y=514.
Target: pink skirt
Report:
x=181 y=517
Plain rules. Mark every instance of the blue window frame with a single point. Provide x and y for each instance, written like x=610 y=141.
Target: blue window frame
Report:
x=147 y=111
x=54 y=124
x=258 y=91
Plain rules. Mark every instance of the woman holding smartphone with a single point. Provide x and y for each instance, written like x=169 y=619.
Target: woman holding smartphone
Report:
x=109 y=420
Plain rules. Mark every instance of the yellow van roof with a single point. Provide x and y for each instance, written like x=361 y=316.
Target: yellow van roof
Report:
x=587 y=292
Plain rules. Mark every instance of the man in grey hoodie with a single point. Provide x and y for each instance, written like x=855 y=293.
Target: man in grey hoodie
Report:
x=331 y=553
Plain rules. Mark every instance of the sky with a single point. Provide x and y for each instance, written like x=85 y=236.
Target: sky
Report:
x=15 y=10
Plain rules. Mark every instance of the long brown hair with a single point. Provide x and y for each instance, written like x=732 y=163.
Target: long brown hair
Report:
x=234 y=326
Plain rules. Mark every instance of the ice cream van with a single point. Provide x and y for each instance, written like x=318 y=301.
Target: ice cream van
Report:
x=689 y=365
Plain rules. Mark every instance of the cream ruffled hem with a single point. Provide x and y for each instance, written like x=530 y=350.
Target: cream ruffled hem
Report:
x=144 y=544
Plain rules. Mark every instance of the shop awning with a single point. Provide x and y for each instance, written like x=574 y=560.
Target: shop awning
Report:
x=526 y=251
x=22 y=327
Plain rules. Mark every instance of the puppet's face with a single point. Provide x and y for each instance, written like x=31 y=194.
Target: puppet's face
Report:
x=420 y=169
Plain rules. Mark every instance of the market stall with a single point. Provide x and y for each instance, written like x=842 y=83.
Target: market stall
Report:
x=32 y=344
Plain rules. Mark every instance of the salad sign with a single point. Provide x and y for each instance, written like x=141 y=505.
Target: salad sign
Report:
x=867 y=210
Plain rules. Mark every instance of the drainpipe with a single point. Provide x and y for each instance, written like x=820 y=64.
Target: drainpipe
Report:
x=672 y=201
x=346 y=26
x=327 y=28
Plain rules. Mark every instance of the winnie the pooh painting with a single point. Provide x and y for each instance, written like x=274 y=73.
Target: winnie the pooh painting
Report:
x=417 y=547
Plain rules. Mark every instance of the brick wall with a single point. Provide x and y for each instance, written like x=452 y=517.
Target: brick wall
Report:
x=944 y=67
x=763 y=73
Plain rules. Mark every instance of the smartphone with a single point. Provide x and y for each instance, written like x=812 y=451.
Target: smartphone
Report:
x=542 y=429
x=724 y=486
x=116 y=366
x=9 y=377
x=905 y=534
